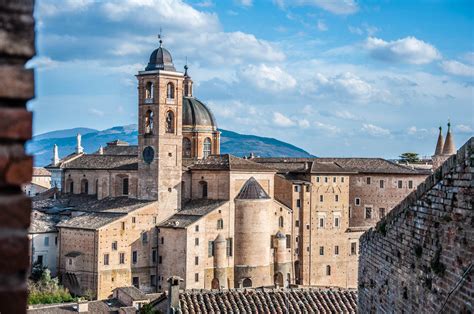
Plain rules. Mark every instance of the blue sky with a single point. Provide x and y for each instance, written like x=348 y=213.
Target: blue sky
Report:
x=337 y=78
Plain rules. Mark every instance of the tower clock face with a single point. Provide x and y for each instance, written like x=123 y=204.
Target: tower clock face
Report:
x=148 y=154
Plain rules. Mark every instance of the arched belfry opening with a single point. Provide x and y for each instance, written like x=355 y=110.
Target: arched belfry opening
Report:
x=170 y=91
x=149 y=90
x=170 y=123
x=149 y=123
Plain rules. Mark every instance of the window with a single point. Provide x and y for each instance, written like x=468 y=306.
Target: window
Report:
x=203 y=188
x=342 y=179
x=336 y=198
x=298 y=203
x=153 y=256
x=149 y=90
x=71 y=187
x=196 y=260
x=321 y=250
x=337 y=221
x=46 y=241
x=136 y=282
x=321 y=198
x=220 y=224
x=170 y=122
x=196 y=241
x=381 y=212
x=334 y=179
x=160 y=259
x=106 y=259
x=272 y=241
x=154 y=220
x=134 y=257
x=317 y=179
x=84 y=186
x=336 y=250
x=357 y=201
x=206 y=147
x=186 y=147
x=297 y=223
x=196 y=277
x=288 y=241
x=123 y=225
x=162 y=240
x=368 y=213
x=410 y=184
x=149 y=122
x=210 y=248
x=326 y=179
x=229 y=246
x=153 y=280
x=56 y=241
x=353 y=248
x=69 y=260
x=321 y=222
x=296 y=239
x=368 y=180
x=125 y=186
x=382 y=184
x=196 y=228
x=122 y=258
x=170 y=91
x=114 y=246
x=400 y=184
x=297 y=188
x=280 y=222
x=39 y=260
x=328 y=270
x=144 y=237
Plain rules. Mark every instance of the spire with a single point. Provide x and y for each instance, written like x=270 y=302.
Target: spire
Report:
x=55 y=159
x=188 y=82
x=159 y=37
x=449 y=148
x=440 y=143
x=101 y=150
x=79 y=148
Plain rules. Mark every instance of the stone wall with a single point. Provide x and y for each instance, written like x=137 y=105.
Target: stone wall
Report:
x=419 y=258
x=16 y=88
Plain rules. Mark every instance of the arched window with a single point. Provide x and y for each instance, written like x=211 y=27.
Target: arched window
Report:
x=215 y=283
x=220 y=224
x=247 y=283
x=149 y=122
x=170 y=91
x=186 y=86
x=170 y=122
x=125 y=186
x=71 y=187
x=280 y=222
x=203 y=189
x=278 y=279
x=149 y=90
x=328 y=270
x=206 y=147
x=84 y=186
x=186 y=147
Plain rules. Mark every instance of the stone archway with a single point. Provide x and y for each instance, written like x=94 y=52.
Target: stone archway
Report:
x=278 y=279
x=247 y=283
x=215 y=284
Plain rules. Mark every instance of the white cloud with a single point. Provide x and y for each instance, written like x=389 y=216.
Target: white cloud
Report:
x=457 y=68
x=321 y=26
x=282 y=120
x=365 y=28
x=344 y=114
x=407 y=50
x=205 y=4
x=246 y=3
x=51 y=8
x=42 y=63
x=419 y=133
x=374 y=130
x=303 y=123
x=355 y=30
x=339 y=7
x=469 y=57
x=462 y=128
x=268 y=77
x=96 y=112
x=331 y=129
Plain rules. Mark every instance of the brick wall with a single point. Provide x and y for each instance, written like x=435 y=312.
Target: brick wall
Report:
x=414 y=259
x=16 y=88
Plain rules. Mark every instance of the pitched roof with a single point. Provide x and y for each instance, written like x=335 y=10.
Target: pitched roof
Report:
x=39 y=171
x=130 y=150
x=439 y=143
x=449 y=147
x=91 y=221
x=43 y=223
x=229 y=162
x=191 y=212
x=133 y=292
x=115 y=162
x=293 y=300
x=252 y=190
x=328 y=167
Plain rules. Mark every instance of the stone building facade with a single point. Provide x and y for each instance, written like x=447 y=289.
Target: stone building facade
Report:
x=419 y=258
x=17 y=46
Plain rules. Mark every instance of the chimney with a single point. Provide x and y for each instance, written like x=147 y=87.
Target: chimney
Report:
x=79 y=148
x=83 y=307
x=55 y=159
x=101 y=150
x=173 y=295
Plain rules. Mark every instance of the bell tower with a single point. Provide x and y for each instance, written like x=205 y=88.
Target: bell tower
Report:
x=160 y=103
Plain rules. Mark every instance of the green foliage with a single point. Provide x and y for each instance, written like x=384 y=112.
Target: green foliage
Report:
x=46 y=290
x=37 y=271
x=409 y=157
x=147 y=309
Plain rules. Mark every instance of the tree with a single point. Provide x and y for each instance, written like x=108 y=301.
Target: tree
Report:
x=409 y=157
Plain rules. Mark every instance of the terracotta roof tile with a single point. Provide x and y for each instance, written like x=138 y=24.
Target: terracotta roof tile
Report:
x=228 y=162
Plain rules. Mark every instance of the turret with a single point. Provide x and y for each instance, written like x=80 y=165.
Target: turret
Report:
x=101 y=150
x=79 y=148
x=187 y=83
x=449 y=148
x=220 y=251
x=55 y=159
x=282 y=266
x=440 y=143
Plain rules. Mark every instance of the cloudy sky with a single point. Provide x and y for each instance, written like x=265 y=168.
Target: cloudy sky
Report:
x=337 y=78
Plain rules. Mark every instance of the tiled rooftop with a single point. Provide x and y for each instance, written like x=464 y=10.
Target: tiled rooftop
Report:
x=294 y=300
x=90 y=221
x=42 y=223
x=39 y=171
x=116 y=162
x=228 y=162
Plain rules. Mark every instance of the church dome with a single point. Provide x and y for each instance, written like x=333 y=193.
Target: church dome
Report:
x=197 y=115
x=160 y=59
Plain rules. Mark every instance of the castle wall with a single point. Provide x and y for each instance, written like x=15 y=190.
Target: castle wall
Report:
x=417 y=258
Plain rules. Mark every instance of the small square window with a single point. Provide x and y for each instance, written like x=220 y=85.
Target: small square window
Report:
x=298 y=203
x=122 y=258
x=357 y=201
x=410 y=184
x=337 y=221
x=196 y=260
x=114 y=246
x=353 y=248
x=326 y=179
x=317 y=179
x=321 y=250
x=381 y=213
x=297 y=188
x=321 y=198
x=368 y=213
x=368 y=180
x=196 y=241
x=336 y=250
x=400 y=184
x=342 y=179
x=134 y=220
x=196 y=228
x=321 y=222
x=196 y=277
x=334 y=179
x=106 y=259
x=336 y=198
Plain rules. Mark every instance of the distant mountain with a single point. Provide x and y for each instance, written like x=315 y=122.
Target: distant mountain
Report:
x=41 y=146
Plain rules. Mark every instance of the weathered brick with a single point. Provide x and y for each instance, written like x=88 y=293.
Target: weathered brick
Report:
x=19 y=86
x=15 y=123
x=13 y=301
x=15 y=211
x=13 y=252
x=19 y=171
